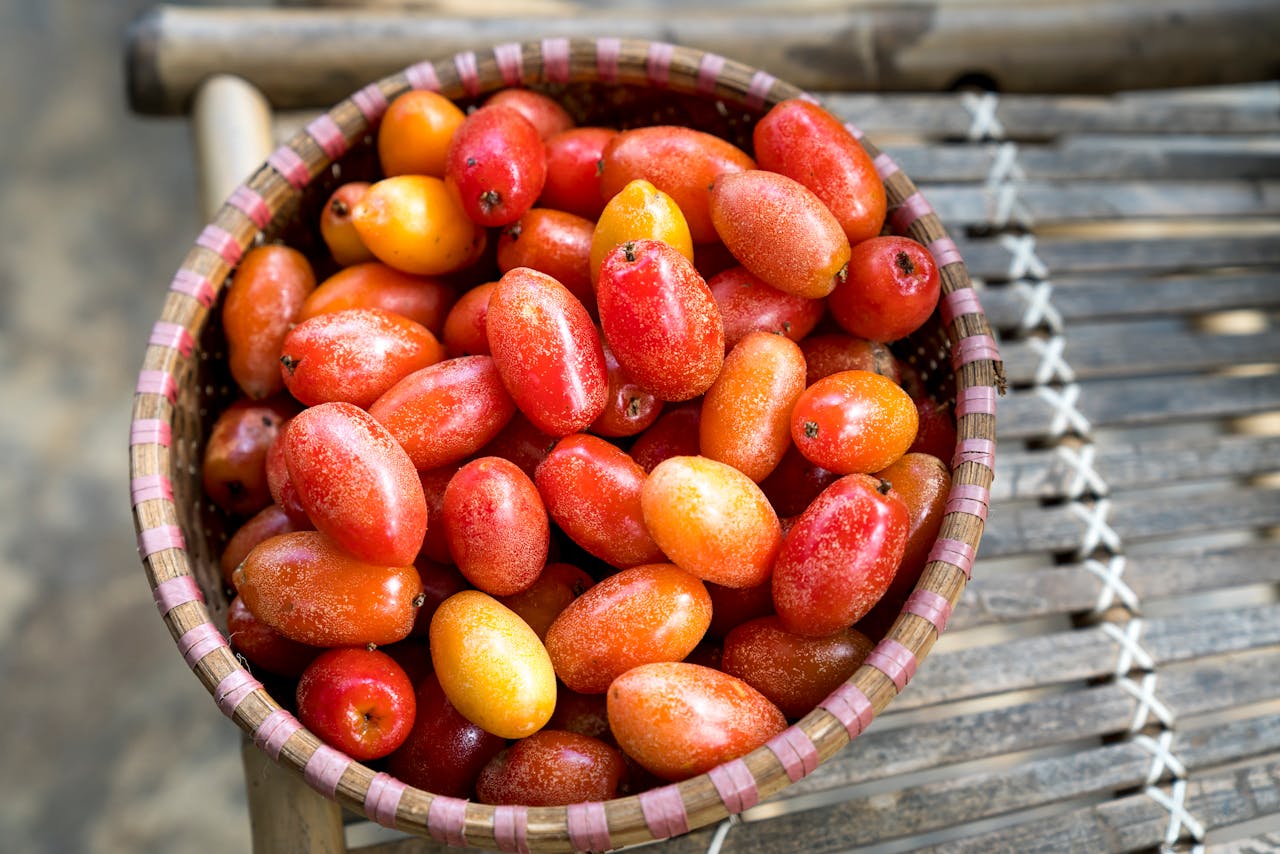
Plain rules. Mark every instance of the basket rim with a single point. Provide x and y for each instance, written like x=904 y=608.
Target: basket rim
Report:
x=668 y=810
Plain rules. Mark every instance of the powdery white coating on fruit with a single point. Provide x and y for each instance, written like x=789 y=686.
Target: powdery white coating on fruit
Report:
x=748 y=304
x=356 y=483
x=678 y=719
x=552 y=768
x=491 y=665
x=854 y=422
x=780 y=231
x=656 y=612
x=711 y=520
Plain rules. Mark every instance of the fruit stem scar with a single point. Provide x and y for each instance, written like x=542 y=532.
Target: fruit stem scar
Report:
x=884 y=486
x=513 y=231
x=629 y=250
x=290 y=363
x=811 y=429
x=903 y=260
x=490 y=199
x=842 y=274
x=339 y=208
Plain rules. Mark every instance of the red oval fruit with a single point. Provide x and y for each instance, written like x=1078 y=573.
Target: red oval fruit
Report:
x=422 y=299
x=496 y=526
x=834 y=352
x=540 y=603
x=854 y=421
x=358 y=700
x=496 y=165
x=552 y=768
x=541 y=111
x=465 y=331
x=629 y=409
x=573 y=171
x=555 y=243
x=891 y=289
x=233 y=468
x=264 y=646
x=337 y=229
x=265 y=524
x=263 y=301
x=748 y=304
x=674 y=434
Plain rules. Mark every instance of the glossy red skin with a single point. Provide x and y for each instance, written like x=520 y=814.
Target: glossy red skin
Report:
x=445 y=412
x=283 y=492
x=522 y=443
x=552 y=768
x=748 y=304
x=679 y=720
x=556 y=586
x=591 y=488
x=439 y=582
x=262 y=304
x=733 y=606
x=233 y=470
x=496 y=166
x=795 y=483
x=630 y=409
x=541 y=111
x=354 y=355
x=263 y=525
x=423 y=299
x=854 y=422
x=357 y=700
x=833 y=352
x=444 y=752
x=435 y=545
x=795 y=672
x=660 y=319
x=309 y=590
x=356 y=483
x=803 y=141
x=573 y=171
x=674 y=434
x=465 y=332
x=654 y=612
x=937 y=432
x=547 y=351
x=892 y=288
x=839 y=557
x=680 y=161
x=264 y=646
x=552 y=242
x=336 y=228
x=496 y=526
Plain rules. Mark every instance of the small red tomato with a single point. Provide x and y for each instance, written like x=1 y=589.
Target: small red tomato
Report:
x=547 y=351
x=803 y=141
x=834 y=352
x=795 y=482
x=541 y=111
x=422 y=299
x=541 y=602
x=555 y=243
x=496 y=525
x=338 y=231
x=354 y=355
x=592 y=489
x=629 y=409
x=747 y=304
x=233 y=469
x=356 y=483
x=496 y=166
x=263 y=525
x=263 y=301
x=573 y=171
x=854 y=421
x=891 y=289
x=552 y=768
x=446 y=411
x=521 y=443
x=309 y=590
x=674 y=434
x=655 y=612
x=839 y=557
x=679 y=720
x=660 y=319
x=781 y=231
x=465 y=332
x=358 y=700
x=444 y=752
x=264 y=646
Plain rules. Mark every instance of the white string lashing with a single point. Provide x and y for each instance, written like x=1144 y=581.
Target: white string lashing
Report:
x=1144 y=691
x=1038 y=308
x=1004 y=180
x=1085 y=478
x=1179 y=818
x=983 y=122
x=1113 y=585
x=1097 y=530
x=722 y=830
x=1162 y=756
x=1023 y=260
x=1052 y=366
x=1131 y=650
x=1066 y=416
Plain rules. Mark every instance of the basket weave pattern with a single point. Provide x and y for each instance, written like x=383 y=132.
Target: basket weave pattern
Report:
x=180 y=392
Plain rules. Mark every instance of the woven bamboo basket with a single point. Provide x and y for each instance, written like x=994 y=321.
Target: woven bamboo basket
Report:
x=184 y=385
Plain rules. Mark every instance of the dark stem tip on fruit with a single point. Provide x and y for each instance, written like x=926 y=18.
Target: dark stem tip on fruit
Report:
x=629 y=250
x=811 y=429
x=842 y=274
x=290 y=363
x=513 y=231
x=371 y=646
x=904 y=262
x=419 y=600
x=339 y=208
x=884 y=486
x=599 y=167
x=471 y=161
x=633 y=407
x=489 y=200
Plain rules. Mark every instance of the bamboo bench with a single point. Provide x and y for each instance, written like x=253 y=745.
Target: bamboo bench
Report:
x=1111 y=678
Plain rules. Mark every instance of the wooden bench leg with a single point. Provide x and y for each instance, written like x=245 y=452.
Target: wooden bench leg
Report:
x=285 y=814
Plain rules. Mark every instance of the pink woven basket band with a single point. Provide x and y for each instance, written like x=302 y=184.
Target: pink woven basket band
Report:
x=275 y=729
x=447 y=820
x=198 y=641
x=588 y=827
x=325 y=131
x=664 y=812
x=796 y=751
x=658 y=63
x=709 y=70
x=893 y=660
x=855 y=130
x=886 y=166
x=930 y=606
x=291 y=166
x=968 y=498
x=736 y=785
x=324 y=769
x=158 y=382
x=159 y=538
x=468 y=71
x=555 y=60
x=980 y=451
x=849 y=705
x=176 y=591
x=150 y=431
x=944 y=251
x=233 y=689
x=974 y=348
x=761 y=85
x=510 y=59
x=195 y=286
x=173 y=336
x=251 y=204
x=382 y=801
x=958 y=302
x=958 y=553
x=607 y=51
x=977 y=399
x=913 y=207
x=372 y=103
x=511 y=828
x=219 y=241
x=150 y=487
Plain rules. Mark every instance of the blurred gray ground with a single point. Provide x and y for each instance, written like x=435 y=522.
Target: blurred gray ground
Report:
x=107 y=742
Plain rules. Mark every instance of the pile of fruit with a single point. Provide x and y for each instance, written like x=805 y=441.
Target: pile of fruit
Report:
x=589 y=468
